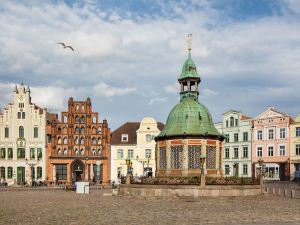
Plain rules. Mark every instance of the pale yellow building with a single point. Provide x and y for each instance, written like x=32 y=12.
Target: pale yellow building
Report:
x=134 y=141
x=295 y=148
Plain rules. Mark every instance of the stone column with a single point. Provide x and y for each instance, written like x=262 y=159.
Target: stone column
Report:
x=168 y=157
x=185 y=158
x=69 y=173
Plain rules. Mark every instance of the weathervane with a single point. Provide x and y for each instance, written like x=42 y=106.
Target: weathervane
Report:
x=189 y=42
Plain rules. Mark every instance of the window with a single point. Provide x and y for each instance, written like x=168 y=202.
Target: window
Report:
x=94 y=152
x=282 y=150
x=124 y=137
x=176 y=157
x=282 y=133
x=298 y=149
x=82 y=119
x=236 y=122
x=99 y=141
x=23 y=115
x=226 y=138
x=130 y=154
x=59 y=152
x=82 y=130
x=99 y=151
x=119 y=172
x=245 y=152
x=65 y=141
x=148 y=153
x=38 y=172
x=236 y=137
x=297 y=131
x=120 y=153
x=148 y=137
x=245 y=169
x=61 y=172
x=259 y=135
x=82 y=152
x=99 y=130
x=21 y=132
x=271 y=133
x=226 y=123
x=231 y=121
x=10 y=153
x=76 y=152
x=94 y=141
x=2 y=172
x=21 y=153
x=2 y=154
x=77 y=130
x=245 y=136
x=194 y=153
x=270 y=151
x=19 y=115
x=259 y=152
x=6 y=131
x=227 y=169
x=162 y=158
x=226 y=153
x=9 y=172
x=35 y=132
x=236 y=152
x=76 y=141
x=82 y=141
x=32 y=153
x=39 y=153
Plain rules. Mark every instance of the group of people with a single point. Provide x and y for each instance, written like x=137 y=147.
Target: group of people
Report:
x=3 y=182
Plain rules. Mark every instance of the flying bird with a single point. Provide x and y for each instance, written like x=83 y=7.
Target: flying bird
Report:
x=65 y=46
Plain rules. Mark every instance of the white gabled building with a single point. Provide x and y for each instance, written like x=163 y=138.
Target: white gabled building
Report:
x=236 y=127
x=22 y=139
x=134 y=141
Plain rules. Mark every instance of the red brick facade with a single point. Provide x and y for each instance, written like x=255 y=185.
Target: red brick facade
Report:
x=78 y=146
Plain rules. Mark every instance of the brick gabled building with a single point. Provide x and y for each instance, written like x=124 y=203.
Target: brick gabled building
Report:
x=78 y=146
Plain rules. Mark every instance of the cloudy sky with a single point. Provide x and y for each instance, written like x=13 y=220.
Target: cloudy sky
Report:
x=129 y=54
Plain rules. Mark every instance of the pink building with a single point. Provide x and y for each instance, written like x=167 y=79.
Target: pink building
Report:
x=271 y=143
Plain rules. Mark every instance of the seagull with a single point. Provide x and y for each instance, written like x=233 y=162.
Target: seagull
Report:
x=65 y=46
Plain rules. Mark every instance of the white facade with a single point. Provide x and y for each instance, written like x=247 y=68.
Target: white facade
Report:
x=141 y=152
x=236 y=128
x=22 y=136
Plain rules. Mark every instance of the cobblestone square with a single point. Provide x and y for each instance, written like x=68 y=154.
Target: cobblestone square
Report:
x=67 y=207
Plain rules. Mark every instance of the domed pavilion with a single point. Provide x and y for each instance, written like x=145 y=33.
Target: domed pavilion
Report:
x=189 y=133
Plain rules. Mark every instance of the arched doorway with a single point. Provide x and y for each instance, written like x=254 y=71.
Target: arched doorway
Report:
x=77 y=167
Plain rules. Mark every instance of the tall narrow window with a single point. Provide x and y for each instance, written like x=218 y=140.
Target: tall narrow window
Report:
x=19 y=115
x=245 y=136
x=297 y=131
x=282 y=150
x=194 y=153
x=2 y=172
x=231 y=121
x=120 y=153
x=236 y=152
x=147 y=153
x=245 y=152
x=162 y=158
x=35 y=132
x=9 y=172
x=23 y=115
x=259 y=152
x=148 y=137
x=38 y=172
x=6 y=131
x=282 y=133
x=10 y=153
x=259 y=135
x=245 y=169
x=226 y=138
x=130 y=154
x=226 y=153
x=2 y=154
x=21 y=132
x=270 y=151
x=21 y=153
x=227 y=170
x=176 y=157
x=32 y=153
x=297 y=149
x=39 y=153
x=271 y=134
x=236 y=137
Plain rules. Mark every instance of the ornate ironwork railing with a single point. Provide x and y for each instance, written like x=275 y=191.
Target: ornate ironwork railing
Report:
x=193 y=181
x=231 y=181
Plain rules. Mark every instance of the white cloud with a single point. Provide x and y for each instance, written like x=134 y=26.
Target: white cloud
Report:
x=104 y=90
x=172 y=88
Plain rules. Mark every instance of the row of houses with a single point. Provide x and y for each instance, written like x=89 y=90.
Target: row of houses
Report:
x=36 y=145
x=272 y=136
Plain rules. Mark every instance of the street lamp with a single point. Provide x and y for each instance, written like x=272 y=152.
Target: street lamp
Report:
x=86 y=168
x=261 y=163
x=141 y=161
x=202 y=161
x=129 y=165
x=32 y=168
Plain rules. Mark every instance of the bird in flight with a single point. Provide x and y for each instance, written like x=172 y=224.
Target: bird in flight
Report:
x=65 y=46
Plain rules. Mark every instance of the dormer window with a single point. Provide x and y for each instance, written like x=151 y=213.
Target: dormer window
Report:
x=124 y=138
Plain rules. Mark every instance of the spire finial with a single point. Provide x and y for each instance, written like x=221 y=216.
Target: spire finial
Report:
x=189 y=43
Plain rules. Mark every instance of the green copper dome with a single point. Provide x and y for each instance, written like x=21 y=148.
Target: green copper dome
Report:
x=189 y=118
x=189 y=69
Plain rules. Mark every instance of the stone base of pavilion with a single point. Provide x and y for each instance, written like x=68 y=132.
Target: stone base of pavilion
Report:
x=173 y=191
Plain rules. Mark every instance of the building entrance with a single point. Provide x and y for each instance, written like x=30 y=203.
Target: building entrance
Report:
x=20 y=175
x=77 y=170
